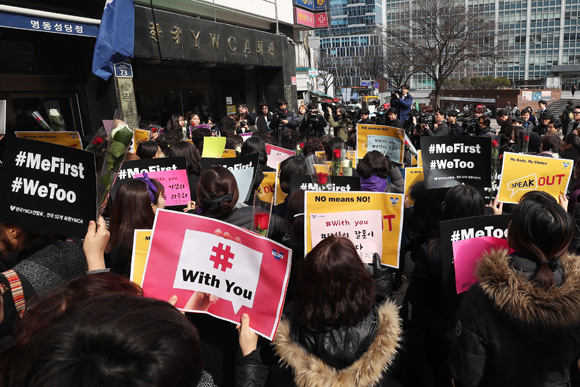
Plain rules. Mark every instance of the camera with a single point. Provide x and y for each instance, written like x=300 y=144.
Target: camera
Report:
x=398 y=90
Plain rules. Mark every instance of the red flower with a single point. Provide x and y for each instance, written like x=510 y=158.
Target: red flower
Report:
x=261 y=221
x=494 y=143
x=337 y=153
x=97 y=141
x=527 y=137
x=322 y=178
x=301 y=145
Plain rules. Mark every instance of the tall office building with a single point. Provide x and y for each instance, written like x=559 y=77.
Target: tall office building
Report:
x=351 y=39
x=538 y=40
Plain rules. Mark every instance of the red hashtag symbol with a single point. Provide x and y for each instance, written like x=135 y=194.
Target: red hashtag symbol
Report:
x=221 y=259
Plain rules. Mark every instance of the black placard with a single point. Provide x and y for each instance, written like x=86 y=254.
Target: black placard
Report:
x=48 y=187
x=243 y=168
x=338 y=183
x=451 y=160
x=468 y=228
x=130 y=168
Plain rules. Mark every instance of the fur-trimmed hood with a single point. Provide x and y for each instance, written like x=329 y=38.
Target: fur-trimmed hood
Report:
x=524 y=302
x=309 y=370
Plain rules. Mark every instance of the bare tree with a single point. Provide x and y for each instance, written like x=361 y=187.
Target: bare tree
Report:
x=326 y=78
x=392 y=64
x=442 y=38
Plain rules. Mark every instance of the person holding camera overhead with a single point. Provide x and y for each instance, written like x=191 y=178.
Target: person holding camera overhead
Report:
x=403 y=102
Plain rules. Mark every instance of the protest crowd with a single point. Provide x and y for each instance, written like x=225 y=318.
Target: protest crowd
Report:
x=79 y=307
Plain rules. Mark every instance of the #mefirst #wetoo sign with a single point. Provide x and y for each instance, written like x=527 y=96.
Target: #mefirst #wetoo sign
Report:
x=48 y=187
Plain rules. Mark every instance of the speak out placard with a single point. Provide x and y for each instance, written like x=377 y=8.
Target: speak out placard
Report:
x=277 y=154
x=189 y=258
x=48 y=187
x=175 y=185
x=338 y=183
x=412 y=175
x=388 y=140
x=131 y=168
x=451 y=160
x=267 y=188
x=242 y=167
x=523 y=173
x=389 y=205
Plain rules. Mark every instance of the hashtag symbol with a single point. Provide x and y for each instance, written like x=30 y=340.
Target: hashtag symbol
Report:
x=16 y=184
x=432 y=148
x=122 y=174
x=304 y=186
x=221 y=259
x=432 y=164
x=455 y=236
x=20 y=158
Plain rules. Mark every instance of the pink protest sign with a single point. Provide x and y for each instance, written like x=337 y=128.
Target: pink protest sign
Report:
x=466 y=254
x=277 y=154
x=189 y=258
x=175 y=183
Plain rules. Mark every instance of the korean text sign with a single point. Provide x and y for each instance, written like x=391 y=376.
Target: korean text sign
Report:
x=131 y=168
x=451 y=160
x=388 y=140
x=71 y=139
x=523 y=173
x=353 y=215
x=187 y=259
x=175 y=184
x=48 y=187
x=277 y=154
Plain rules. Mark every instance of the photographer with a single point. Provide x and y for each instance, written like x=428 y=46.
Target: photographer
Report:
x=392 y=119
x=454 y=128
x=403 y=102
x=364 y=117
x=341 y=123
x=313 y=123
x=440 y=127
x=283 y=119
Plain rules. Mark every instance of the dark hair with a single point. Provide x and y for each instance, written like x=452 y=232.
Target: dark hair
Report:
x=540 y=230
x=228 y=126
x=439 y=111
x=392 y=110
x=463 y=201
x=253 y=145
x=312 y=106
x=173 y=123
x=406 y=86
x=550 y=142
x=292 y=166
x=214 y=184
x=486 y=120
x=131 y=210
x=348 y=293
x=542 y=102
x=501 y=112
x=290 y=139
x=295 y=204
x=192 y=157
x=147 y=150
x=330 y=146
x=261 y=105
x=313 y=144
x=190 y=116
x=573 y=140
x=364 y=111
x=197 y=137
x=113 y=340
x=374 y=163
x=527 y=110
x=281 y=102
x=168 y=139
x=556 y=122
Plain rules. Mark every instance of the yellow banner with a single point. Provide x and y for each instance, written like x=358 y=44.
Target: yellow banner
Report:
x=420 y=159
x=229 y=154
x=141 y=243
x=412 y=175
x=390 y=205
x=524 y=173
x=139 y=136
x=266 y=190
x=385 y=139
x=321 y=155
x=71 y=139
x=351 y=155
x=279 y=196
x=213 y=147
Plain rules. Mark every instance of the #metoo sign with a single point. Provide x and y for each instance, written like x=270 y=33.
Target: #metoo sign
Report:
x=216 y=268
x=48 y=187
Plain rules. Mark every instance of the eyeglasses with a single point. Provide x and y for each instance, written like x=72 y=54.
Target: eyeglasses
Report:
x=3 y=289
x=576 y=112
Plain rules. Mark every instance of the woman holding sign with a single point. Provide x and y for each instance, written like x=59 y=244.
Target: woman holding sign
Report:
x=334 y=325
x=520 y=324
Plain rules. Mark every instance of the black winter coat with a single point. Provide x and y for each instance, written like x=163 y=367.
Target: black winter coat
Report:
x=511 y=332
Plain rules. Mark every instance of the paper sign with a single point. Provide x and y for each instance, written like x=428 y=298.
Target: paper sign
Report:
x=131 y=168
x=523 y=173
x=361 y=227
x=337 y=183
x=277 y=154
x=267 y=188
x=213 y=147
x=187 y=259
x=385 y=144
x=48 y=187
x=321 y=155
x=390 y=206
x=467 y=228
x=389 y=146
x=322 y=168
x=467 y=253
x=229 y=153
x=451 y=160
x=412 y=176
x=279 y=196
x=419 y=159
x=141 y=243
x=140 y=136
x=70 y=139
x=243 y=168
x=175 y=184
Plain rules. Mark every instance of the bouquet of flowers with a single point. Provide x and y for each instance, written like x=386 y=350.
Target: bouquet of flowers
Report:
x=120 y=139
